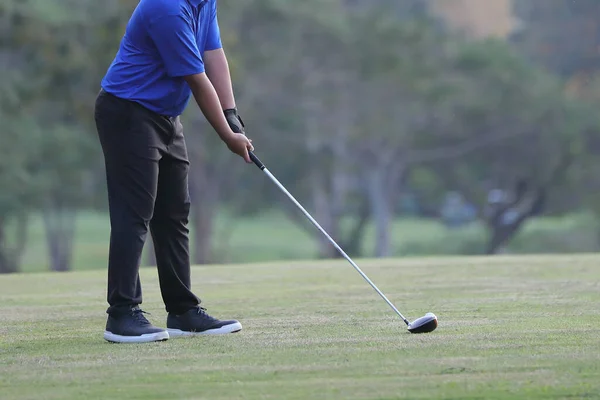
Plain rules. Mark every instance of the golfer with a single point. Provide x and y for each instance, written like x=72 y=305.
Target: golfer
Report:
x=170 y=51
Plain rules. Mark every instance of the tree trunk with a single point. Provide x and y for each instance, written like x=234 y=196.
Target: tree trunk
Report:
x=21 y=238
x=204 y=187
x=380 y=211
x=506 y=223
x=323 y=215
x=59 y=224
x=10 y=257
x=498 y=239
x=203 y=231
x=7 y=265
x=355 y=237
x=150 y=254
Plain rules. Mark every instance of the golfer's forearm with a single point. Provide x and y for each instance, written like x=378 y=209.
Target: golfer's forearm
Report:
x=218 y=72
x=208 y=101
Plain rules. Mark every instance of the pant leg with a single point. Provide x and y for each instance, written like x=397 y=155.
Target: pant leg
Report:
x=169 y=226
x=131 y=142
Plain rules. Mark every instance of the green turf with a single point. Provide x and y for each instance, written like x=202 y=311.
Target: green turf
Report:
x=265 y=237
x=510 y=328
x=272 y=236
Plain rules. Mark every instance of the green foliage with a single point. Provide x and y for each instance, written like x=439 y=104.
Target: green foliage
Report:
x=17 y=156
x=552 y=235
x=501 y=105
x=46 y=104
x=335 y=99
x=561 y=35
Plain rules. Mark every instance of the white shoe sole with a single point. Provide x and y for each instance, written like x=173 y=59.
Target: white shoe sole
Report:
x=149 y=337
x=232 y=328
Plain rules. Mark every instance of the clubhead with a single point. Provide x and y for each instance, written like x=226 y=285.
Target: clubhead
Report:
x=425 y=324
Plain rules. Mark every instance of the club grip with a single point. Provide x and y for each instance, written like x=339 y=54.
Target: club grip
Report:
x=256 y=161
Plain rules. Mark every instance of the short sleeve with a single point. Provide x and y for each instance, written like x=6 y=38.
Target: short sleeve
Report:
x=213 y=38
x=176 y=43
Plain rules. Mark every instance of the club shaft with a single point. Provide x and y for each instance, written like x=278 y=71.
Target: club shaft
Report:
x=342 y=252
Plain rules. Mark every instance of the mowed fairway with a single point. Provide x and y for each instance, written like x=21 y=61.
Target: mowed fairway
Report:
x=510 y=327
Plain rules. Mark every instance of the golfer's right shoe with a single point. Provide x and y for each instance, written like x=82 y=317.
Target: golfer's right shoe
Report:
x=132 y=327
x=197 y=322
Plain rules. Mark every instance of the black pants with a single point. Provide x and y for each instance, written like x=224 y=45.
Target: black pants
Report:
x=147 y=179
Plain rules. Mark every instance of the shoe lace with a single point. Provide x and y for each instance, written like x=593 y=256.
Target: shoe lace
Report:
x=201 y=310
x=138 y=316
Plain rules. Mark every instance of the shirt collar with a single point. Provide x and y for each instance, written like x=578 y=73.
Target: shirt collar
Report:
x=197 y=3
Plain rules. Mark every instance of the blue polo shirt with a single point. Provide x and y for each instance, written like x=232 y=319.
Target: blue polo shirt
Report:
x=163 y=42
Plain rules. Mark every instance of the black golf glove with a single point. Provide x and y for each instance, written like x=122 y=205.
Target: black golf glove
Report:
x=235 y=122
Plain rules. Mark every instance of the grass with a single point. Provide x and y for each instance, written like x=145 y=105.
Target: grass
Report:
x=510 y=328
x=267 y=237
x=273 y=237
x=245 y=236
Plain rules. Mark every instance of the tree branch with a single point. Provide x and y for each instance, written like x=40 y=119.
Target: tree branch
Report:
x=459 y=150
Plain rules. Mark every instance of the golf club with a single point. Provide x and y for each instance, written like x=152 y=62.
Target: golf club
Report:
x=425 y=324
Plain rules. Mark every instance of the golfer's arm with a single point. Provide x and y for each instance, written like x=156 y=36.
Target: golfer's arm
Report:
x=208 y=101
x=217 y=70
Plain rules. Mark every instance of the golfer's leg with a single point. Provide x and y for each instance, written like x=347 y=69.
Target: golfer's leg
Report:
x=132 y=175
x=169 y=228
x=131 y=186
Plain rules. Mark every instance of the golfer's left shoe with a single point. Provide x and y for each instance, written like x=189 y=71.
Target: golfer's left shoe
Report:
x=197 y=322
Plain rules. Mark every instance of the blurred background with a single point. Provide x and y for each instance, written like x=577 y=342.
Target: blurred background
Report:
x=406 y=128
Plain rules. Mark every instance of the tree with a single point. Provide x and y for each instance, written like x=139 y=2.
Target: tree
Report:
x=291 y=86
x=49 y=52
x=18 y=135
x=562 y=35
x=529 y=106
